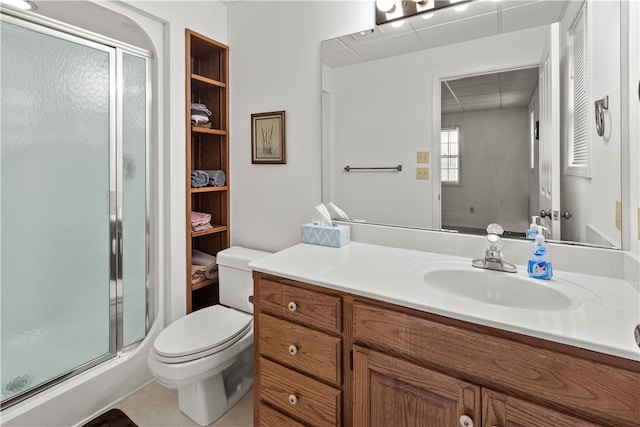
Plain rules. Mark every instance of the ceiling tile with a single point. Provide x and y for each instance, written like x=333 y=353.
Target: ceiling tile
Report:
x=531 y=15
x=382 y=48
x=341 y=57
x=460 y=31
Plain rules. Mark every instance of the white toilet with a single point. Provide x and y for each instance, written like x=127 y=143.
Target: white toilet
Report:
x=208 y=354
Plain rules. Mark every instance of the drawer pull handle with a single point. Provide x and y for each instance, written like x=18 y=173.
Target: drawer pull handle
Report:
x=293 y=399
x=466 y=421
x=293 y=350
x=292 y=306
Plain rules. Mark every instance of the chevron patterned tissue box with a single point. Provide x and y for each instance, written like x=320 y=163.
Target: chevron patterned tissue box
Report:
x=335 y=236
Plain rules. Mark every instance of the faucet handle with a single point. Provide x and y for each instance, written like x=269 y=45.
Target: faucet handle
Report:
x=494 y=228
x=494 y=242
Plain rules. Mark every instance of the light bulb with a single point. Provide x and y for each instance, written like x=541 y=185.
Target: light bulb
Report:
x=385 y=5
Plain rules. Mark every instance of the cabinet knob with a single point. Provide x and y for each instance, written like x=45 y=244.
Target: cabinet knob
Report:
x=466 y=421
x=292 y=306
x=293 y=399
x=293 y=350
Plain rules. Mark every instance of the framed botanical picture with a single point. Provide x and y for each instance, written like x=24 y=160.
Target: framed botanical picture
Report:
x=268 y=138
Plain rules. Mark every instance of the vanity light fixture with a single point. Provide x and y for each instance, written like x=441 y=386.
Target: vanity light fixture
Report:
x=386 y=6
x=19 y=4
x=395 y=10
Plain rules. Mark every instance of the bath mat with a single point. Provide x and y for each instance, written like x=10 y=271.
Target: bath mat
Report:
x=111 y=418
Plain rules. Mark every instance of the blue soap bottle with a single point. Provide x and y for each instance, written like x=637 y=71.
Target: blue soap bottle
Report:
x=539 y=266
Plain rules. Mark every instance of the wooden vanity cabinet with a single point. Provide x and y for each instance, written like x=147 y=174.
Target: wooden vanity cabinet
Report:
x=298 y=354
x=389 y=391
x=503 y=410
x=405 y=367
x=524 y=381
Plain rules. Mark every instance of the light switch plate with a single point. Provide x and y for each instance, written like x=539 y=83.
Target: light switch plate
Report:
x=422 y=173
x=422 y=157
x=618 y=214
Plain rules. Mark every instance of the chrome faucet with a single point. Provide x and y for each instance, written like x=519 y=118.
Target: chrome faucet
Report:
x=493 y=257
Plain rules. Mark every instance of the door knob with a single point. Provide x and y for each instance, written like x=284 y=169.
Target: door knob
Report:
x=566 y=215
x=545 y=214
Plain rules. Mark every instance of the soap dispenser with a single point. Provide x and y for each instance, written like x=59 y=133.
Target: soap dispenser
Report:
x=539 y=265
x=532 y=231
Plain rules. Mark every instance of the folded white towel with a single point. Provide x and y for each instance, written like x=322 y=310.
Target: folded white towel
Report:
x=206 y=260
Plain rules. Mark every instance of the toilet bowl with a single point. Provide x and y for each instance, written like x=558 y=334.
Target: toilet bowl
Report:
x=208 y=354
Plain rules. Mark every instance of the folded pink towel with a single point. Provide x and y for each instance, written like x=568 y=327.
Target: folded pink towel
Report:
x=199 y=218
x=197 y=274
x=201 y=227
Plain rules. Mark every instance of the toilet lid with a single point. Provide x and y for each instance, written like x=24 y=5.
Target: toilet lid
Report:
x=202 y=332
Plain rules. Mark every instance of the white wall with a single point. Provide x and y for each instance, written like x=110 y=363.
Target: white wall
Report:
x=210 y=19
x=494 y=168
x=380 y=121
x=631 y=157
x=275 y=65
x=589 y=212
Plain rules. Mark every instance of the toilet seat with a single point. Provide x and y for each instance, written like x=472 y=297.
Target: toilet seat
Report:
x=201 y=333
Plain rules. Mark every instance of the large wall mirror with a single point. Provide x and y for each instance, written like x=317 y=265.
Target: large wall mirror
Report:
x=489 y=107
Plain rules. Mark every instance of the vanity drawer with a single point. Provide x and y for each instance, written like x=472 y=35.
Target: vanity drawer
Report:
x=311 y=308
x=299 y=396
x=269 y=417
x=308 y=350
x=590 y=388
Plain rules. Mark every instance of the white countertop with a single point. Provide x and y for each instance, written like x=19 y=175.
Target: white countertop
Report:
x=602 y=317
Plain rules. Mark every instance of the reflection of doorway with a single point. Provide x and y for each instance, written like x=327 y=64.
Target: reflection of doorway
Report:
x=491 y=113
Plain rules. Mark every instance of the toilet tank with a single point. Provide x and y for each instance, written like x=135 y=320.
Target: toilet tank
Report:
x=236 y=281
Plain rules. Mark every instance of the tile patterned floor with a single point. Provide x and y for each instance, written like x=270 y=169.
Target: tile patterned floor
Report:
x=157 y=406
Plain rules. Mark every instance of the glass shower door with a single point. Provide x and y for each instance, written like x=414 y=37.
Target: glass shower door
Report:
x=57 y=182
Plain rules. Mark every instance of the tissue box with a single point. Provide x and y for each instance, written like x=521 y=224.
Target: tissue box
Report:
x=335 y=236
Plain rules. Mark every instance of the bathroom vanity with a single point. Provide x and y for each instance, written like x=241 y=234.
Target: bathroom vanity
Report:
x=356 y=336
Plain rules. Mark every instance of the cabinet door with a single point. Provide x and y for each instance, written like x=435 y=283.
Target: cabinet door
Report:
x=389 y=391
x=500 y=410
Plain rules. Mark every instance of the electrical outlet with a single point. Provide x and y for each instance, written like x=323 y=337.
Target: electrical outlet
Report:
x=618 y=214
x=422 y=157
x=422 y=173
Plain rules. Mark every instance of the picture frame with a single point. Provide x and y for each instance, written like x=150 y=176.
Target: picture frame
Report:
x=268 y=138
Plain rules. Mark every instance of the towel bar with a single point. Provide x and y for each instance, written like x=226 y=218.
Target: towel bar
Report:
x=395 y=168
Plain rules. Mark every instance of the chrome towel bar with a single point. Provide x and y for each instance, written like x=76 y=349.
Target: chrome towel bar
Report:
x=395 y=168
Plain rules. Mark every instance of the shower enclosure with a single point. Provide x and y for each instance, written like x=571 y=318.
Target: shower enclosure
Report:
x=74 y=123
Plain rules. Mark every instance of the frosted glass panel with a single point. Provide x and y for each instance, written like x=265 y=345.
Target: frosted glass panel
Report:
x=54 y=133
x=134 y=198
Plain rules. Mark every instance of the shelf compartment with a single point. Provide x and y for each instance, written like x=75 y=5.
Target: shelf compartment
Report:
x=198 y=81
x=208 y=57
x=208 y=152
x=216 y=229
x=196 y=129
x=203 y=284
x=208 y=189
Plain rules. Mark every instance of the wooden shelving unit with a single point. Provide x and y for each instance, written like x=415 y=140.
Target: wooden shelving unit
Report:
x=207 y=70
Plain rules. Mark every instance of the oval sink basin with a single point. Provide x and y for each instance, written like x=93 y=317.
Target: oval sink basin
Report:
x=498 y=288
